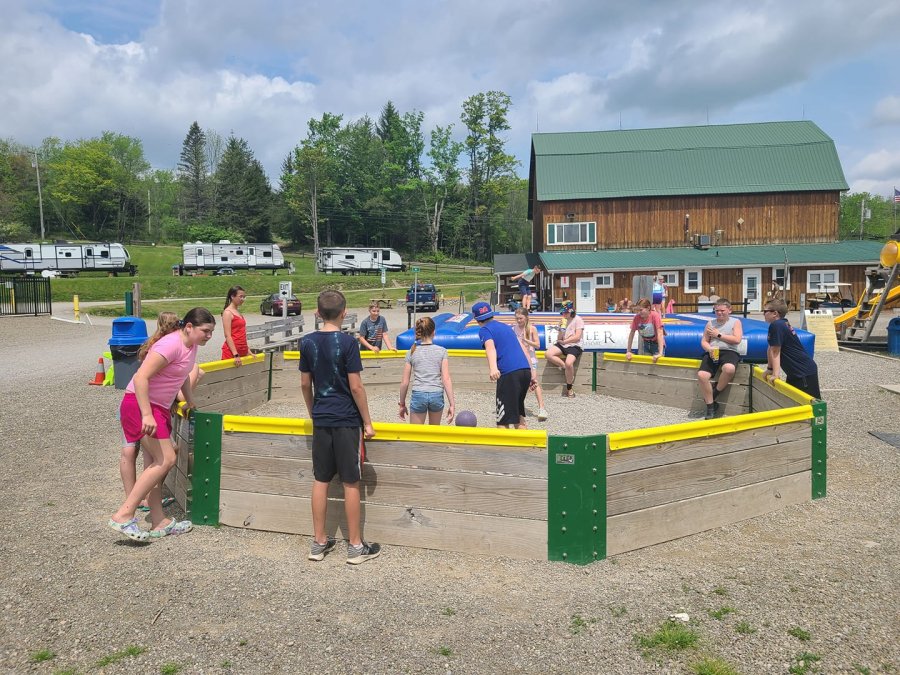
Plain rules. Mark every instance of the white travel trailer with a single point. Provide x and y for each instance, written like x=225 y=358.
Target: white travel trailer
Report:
x=65 y=259
x=358 y=260
x=200 y=256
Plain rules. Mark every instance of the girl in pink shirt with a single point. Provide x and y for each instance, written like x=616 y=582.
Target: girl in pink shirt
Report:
x=146 y=416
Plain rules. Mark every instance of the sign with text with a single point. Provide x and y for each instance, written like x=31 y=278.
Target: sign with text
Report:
x=821 y=324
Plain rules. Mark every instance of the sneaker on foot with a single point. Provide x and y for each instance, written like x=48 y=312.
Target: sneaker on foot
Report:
x=542 y=414
x=711 y=410
x=365 y=551
x=318 y=551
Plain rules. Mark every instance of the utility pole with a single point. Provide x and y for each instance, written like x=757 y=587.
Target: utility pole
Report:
x=862 y=215
x=37 y=170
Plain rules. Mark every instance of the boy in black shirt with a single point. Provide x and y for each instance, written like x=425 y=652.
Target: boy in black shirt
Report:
x=786 y=353
x=329 y=359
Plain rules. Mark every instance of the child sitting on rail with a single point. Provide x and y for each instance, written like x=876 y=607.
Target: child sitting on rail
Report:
x=648 y=324
x=720 y=341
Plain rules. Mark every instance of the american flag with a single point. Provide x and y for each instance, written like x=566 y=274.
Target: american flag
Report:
x=896 y=196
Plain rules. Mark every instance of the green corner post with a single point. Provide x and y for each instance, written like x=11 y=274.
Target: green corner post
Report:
x=576 y=498
x=594 y=374
x=271 y=366
x=819 y=450
x=207 y=475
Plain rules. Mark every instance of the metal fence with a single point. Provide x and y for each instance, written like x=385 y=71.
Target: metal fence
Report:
x=24 y=296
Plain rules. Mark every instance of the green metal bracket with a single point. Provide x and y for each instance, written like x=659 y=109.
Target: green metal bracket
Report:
x=271 y=365
x=207 y=475
x=594 y=374
x=576 y=498
x=819 y=450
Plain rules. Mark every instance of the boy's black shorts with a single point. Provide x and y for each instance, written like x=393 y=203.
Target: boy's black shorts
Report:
x=338 y=451
x=725 y=356
x=570 y=350
x=511 y=391
x=808 y=384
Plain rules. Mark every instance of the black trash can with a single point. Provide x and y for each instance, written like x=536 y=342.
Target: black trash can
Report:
x=128 y=334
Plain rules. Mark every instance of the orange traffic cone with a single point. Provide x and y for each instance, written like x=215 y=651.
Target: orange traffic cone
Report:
x=100 y=374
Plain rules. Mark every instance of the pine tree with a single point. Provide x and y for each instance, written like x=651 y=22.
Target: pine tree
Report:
x=192 y=174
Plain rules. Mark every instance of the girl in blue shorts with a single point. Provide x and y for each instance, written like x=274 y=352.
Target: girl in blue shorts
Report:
x=427 y=365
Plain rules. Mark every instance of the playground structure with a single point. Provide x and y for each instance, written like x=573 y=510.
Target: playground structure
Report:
x=882 y=289
x=514 y=493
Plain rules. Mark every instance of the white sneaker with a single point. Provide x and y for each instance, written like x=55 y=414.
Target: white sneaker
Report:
x=542 y=415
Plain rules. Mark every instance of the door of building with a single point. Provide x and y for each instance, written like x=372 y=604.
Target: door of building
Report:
x=584 y=300
x=752 y=285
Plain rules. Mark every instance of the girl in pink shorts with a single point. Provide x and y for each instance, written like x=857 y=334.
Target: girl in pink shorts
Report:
x=146 y=416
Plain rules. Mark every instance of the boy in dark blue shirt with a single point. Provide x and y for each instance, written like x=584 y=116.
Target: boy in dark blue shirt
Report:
x=508 y=365
x=329 y=359
x=786 y=352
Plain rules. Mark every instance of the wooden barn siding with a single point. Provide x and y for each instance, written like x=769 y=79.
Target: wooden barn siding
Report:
x=727 y=282
x=778 y=217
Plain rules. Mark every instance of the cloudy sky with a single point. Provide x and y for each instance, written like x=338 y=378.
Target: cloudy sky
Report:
x=261 y=69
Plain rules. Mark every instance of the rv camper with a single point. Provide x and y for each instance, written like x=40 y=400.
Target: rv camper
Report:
x=358 y=260
x=65 y=259
x=200 y=256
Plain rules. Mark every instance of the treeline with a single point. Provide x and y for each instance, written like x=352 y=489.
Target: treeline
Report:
x=362 y=182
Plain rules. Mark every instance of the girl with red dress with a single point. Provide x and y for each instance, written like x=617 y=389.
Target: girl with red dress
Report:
x=235 y=325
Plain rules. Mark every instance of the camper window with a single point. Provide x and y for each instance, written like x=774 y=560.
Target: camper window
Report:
x=28 y=253
x=224 y=258
x=104 y=254
x=67 y=254
x=349 y=257
x=267 y=254
x=250 y=250
x=239 y=252
x=89 y=252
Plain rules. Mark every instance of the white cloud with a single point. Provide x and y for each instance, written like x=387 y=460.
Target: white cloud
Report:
x=879 y=164
x=887 y=111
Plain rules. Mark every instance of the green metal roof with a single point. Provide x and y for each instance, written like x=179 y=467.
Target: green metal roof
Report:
x=654 y=259
x=726 y=159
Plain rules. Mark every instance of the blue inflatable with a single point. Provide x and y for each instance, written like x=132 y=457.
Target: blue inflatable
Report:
x=607 y=333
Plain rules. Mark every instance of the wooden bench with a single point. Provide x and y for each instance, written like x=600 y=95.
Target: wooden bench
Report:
x=270 y=329
x=348 y=326
x=383 y=303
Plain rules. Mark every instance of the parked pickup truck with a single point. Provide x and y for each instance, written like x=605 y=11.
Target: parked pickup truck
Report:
x=422 y=298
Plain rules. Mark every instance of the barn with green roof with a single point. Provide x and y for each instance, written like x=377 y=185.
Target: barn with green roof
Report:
x=738 y=211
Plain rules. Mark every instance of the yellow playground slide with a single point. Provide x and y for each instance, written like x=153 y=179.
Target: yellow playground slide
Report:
x=893 y=294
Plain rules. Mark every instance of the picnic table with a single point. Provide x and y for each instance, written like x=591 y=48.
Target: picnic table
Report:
x=268 y=330
x=383 y=303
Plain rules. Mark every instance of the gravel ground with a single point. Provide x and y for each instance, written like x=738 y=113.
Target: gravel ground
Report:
x=234 y=601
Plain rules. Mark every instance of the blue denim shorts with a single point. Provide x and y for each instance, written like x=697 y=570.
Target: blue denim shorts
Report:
x=426 y=401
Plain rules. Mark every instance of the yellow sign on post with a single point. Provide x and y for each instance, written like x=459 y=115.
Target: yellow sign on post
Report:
x=821 y=324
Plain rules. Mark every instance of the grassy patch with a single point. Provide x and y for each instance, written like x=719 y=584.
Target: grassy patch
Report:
x=671 y=635
x=722 y=612
x=243 y=642
x=169 y=669
x=800 y=634
x=225 y=664
x=42 y=655
x=445 y=651
x=578 y=623
x=618 y=611
x=720 y=590
x=448 y=611
x=115 y=657
x=862 y=669
x=713 y=666
x=744 y=628
x=804 y=662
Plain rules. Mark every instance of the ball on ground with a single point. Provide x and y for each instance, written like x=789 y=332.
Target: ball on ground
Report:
x=466 y=418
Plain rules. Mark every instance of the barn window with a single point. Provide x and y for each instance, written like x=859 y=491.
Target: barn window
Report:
x=817 y=281
x=780 y=279
x=693 y=281
x=603 y=281
x=668 y=278
x=571 y=233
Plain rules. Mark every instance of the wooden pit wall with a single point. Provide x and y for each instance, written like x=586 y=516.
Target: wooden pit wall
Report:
x=663 y=491
x=471 y=498
x=225 y=390
x=469 y=373
x=673 y=386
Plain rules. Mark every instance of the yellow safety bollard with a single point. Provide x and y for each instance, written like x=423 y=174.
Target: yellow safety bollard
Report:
x=75 y=305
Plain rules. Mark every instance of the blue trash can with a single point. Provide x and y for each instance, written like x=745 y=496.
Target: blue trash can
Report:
x=894 y=336
x=128 y=334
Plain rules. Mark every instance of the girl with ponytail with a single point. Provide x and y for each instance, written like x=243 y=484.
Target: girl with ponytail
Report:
x=235 y=326
x=146 y=416
x=427 y=365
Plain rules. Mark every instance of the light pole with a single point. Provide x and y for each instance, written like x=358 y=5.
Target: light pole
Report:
x=37 y=170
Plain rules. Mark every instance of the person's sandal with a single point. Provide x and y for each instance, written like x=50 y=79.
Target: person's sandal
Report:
x=174 y=527
x=130 y=529
x=167 y=501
